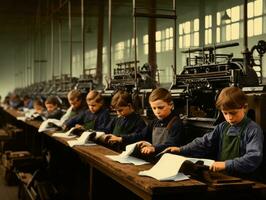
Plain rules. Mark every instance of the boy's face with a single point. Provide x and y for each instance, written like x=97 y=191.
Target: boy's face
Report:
x=161 y=109
x=123 y=110
x=38 y=108
x=94 y=106
x=234 y=116
x=50 y=107
x=75 y=103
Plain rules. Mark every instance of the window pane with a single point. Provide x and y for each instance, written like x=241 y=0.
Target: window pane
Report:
x=196 y=24
x=258 y=7
x=250 y=28
x=187 y=40
x=171 y=32
x=158 y=35
x=167 y=34
x=208 y=21
x=180 y=29
x=171 y=44
x=146 y=50
x=196 y=39
x=187 y=27
x=145 y=39
x=158 y=47
x=228 y=32
x=180 y=42
x=206 y=36
x=218 y=15
x=167 y=45
x=235 y=31
x=210 y=36
x=235 y=15
x=218 y=35
x=250 y=10
x=258 y=26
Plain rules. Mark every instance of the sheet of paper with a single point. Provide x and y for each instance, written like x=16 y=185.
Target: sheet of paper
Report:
x=127 y=159
x=82 y=140
x=44 y=125
x=166 y=168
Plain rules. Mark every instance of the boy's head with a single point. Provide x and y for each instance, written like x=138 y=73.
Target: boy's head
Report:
x=232 y=102
x=52 y=103
x=122 y=103
x=74 y=98
x=94 y=100
x=38 y=105
x=161 y=102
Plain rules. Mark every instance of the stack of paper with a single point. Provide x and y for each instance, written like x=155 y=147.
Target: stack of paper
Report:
x=167 y=168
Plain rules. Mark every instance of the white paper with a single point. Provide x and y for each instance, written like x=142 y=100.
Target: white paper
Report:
x=65 y=134
x=83 y=139
x=44 y=125
x=167 y=168
x=125 y=157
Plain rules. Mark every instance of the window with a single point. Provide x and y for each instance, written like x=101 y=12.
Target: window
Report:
x=90 y=58
x=208 y=29
x=164 y=40
x=189 y=34
x=119 y=51
x=255 y=18
x=146 y=44
x=228 y=29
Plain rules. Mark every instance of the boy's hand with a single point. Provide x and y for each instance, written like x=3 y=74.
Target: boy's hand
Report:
x=143 y=144
x=217 y=166
x=175 y=150
x=147 y=150
x=78 y=126
x=114 y=139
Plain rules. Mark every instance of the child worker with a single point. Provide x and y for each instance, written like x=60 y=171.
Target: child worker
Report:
x=236 y=144
x=127 y=120
x=53 y=110
x=162 y=132
x=96 y=117
x=77 y=105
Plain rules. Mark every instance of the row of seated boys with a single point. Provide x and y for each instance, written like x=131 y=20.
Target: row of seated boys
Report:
x=236 y=144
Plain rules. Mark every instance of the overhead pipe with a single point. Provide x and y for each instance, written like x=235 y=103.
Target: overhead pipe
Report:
x=245 y=26
x=82 y=38
x=110 y=38
x=70 y=38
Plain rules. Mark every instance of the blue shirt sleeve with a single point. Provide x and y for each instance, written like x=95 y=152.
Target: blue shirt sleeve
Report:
x=251 y=151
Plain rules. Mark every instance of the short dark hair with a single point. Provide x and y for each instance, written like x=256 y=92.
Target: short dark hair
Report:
x=231 y=98
x=52 y=100
x=121 y=98
x=74 y=94
x=96 y=96
x=160 y=94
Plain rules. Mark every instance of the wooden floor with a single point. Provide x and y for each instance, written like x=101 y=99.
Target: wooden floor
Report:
x=7 y=192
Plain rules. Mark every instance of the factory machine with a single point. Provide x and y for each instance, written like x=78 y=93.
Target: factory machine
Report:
x=137 y=81
x=206 y=72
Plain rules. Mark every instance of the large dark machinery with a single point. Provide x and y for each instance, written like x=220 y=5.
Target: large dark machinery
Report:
x=205 y=74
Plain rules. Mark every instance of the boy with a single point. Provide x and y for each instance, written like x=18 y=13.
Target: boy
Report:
x=52 y=105
x=237 y=143
x=162 y=132
x=126 y=121
x=77 y=106
x=96 y=117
